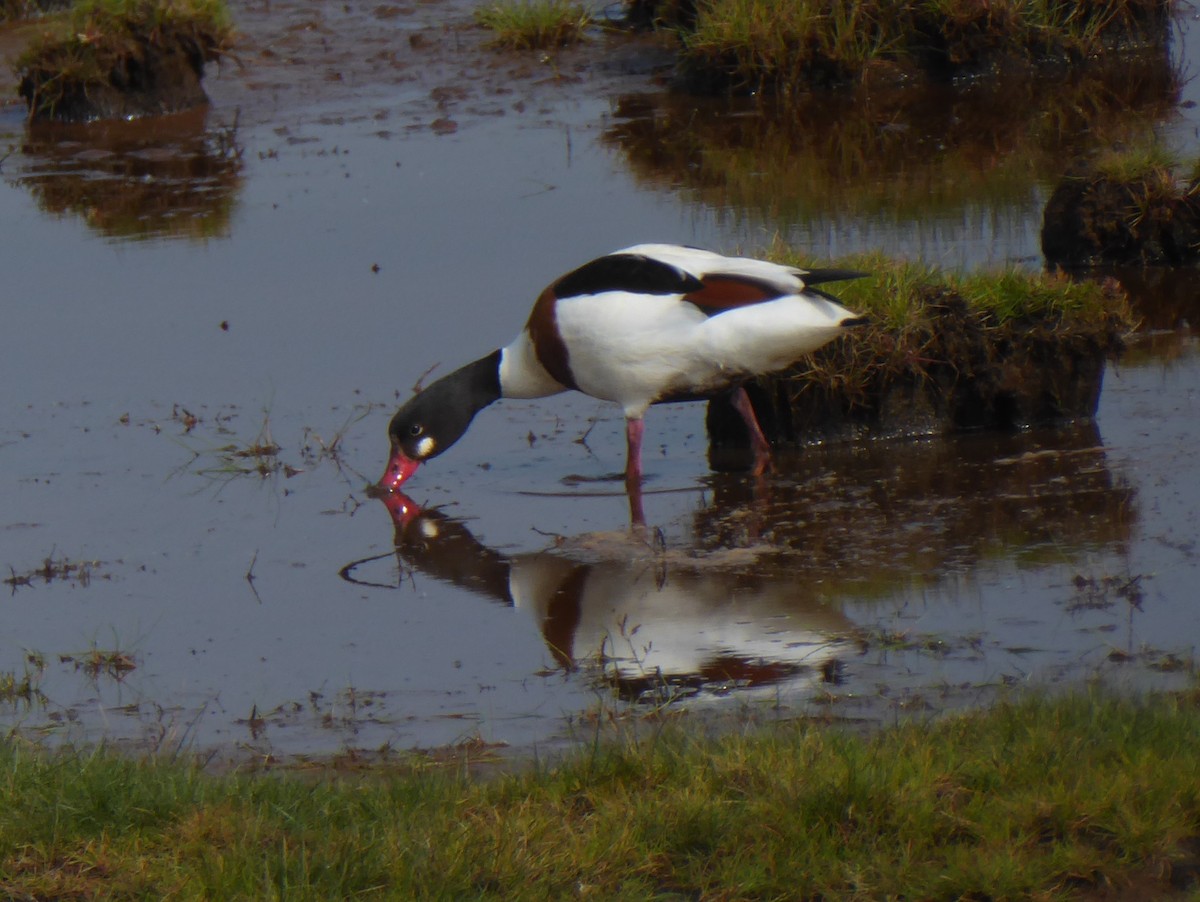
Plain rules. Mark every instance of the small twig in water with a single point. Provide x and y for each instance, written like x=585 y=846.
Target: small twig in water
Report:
x=582 y=440
x=250 y=577
x=418 y=386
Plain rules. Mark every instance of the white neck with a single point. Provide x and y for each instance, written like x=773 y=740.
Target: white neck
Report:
x=521 y=375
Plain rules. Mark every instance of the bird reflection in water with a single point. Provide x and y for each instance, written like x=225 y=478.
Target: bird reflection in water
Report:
x=645 y=620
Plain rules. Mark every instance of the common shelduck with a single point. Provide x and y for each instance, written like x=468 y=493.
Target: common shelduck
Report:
x=650 y=323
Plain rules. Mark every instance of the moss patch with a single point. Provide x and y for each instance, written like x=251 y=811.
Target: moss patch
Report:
x=941 y=355
x=123 y=58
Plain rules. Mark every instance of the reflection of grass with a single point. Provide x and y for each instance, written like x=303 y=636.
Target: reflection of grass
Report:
x=97 y=662
x=534 y=24
x=22 y=690
x=880 y=522
x=1042 y=799
x=890 y=155
x=173 y=177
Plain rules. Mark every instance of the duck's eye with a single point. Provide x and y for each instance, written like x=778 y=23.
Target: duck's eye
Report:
x=416 y=429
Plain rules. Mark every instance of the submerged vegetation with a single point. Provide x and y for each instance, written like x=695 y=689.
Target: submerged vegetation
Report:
x=534 y=24
x=943 y=353
x=122 y=58
x=1040 y=798
x=756 y=45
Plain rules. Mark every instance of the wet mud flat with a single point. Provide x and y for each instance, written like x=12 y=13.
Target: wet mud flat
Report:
x=204 y=383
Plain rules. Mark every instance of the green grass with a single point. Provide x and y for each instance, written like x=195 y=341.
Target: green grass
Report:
x=1150 y=170
x=788 y=44
x=896 y=293
x=534 y=24
x=1148 y=159
x=106 y=43
x=1039 y=798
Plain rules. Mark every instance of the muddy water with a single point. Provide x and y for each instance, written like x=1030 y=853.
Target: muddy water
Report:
x=209 y=318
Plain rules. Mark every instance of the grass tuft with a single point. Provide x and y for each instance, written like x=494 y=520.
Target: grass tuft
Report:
x=120 y=46
x=534 y=24
x=1147 y=160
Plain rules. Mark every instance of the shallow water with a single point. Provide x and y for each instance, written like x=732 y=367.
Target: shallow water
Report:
x=285 y=266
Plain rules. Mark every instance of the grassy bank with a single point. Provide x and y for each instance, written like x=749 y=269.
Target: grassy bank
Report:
x=772 y=45
x=113 y=59
x=1038 y=798
x=941 y=353
x=826 y=157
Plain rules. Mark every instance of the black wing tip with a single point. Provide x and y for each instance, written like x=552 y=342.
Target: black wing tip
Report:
x=819 y=276
x=851 y=321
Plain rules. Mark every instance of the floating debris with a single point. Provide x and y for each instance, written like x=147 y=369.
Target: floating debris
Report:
x=80 y=573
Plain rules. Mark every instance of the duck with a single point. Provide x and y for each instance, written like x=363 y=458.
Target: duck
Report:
x=647 y=324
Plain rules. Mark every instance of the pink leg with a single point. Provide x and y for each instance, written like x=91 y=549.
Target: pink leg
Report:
x=637 y=514
x=633 y=469
x=758 y=441
x=633 y=456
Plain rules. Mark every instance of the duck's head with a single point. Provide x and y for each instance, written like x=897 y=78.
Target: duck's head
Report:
x=418 y=431
x=436 y=417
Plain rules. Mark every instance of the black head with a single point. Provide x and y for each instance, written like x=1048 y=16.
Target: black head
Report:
x=436 y=418
x=431 y=421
